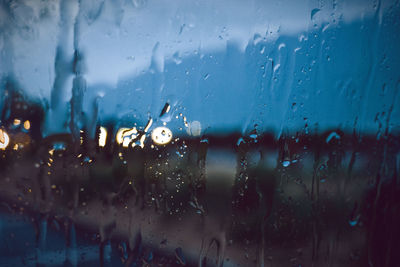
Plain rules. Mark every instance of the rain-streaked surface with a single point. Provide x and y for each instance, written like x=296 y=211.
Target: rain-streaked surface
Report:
x=199 y=133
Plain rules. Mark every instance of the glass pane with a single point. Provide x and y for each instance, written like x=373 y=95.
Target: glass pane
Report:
x=209 y=133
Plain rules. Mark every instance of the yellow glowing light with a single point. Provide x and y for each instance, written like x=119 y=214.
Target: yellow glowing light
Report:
x=125 y=136
x=120 y=134
x=102 y=136
x=27 y=125
x=81 y=137
x=161 y=135
x=4 y=139
x=149 y=123
x=185 y=122
x=17 y=122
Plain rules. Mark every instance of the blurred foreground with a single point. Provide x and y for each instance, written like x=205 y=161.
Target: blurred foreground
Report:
x=304 y=200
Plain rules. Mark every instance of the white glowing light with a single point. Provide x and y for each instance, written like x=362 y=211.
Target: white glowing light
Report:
x=102 y=137
x=4 y=140
x=161 y=135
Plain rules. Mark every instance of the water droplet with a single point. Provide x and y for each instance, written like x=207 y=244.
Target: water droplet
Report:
x=240 y=141
x=157 y=59
x=165 y=109
x=314 y=12
x=179 y=256
x=253 y=136
x=161 y=135
x=204 y=140
x=177 y=58
x=354 y=222
x=332 y=135
x=285 y=163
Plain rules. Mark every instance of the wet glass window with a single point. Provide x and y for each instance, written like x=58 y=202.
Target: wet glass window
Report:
x=199 y=133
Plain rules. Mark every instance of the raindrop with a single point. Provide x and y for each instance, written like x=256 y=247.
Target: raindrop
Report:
x=179 y=256
x=177 y=59
x=354 y=222
x=286 y=163
x=161 y=135
x=253 y=136
x=165 y=109
x=332 y=135
x=240 y=141
x=204 y=140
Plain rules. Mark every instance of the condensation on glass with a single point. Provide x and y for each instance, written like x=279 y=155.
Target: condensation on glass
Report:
x=209 y=133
